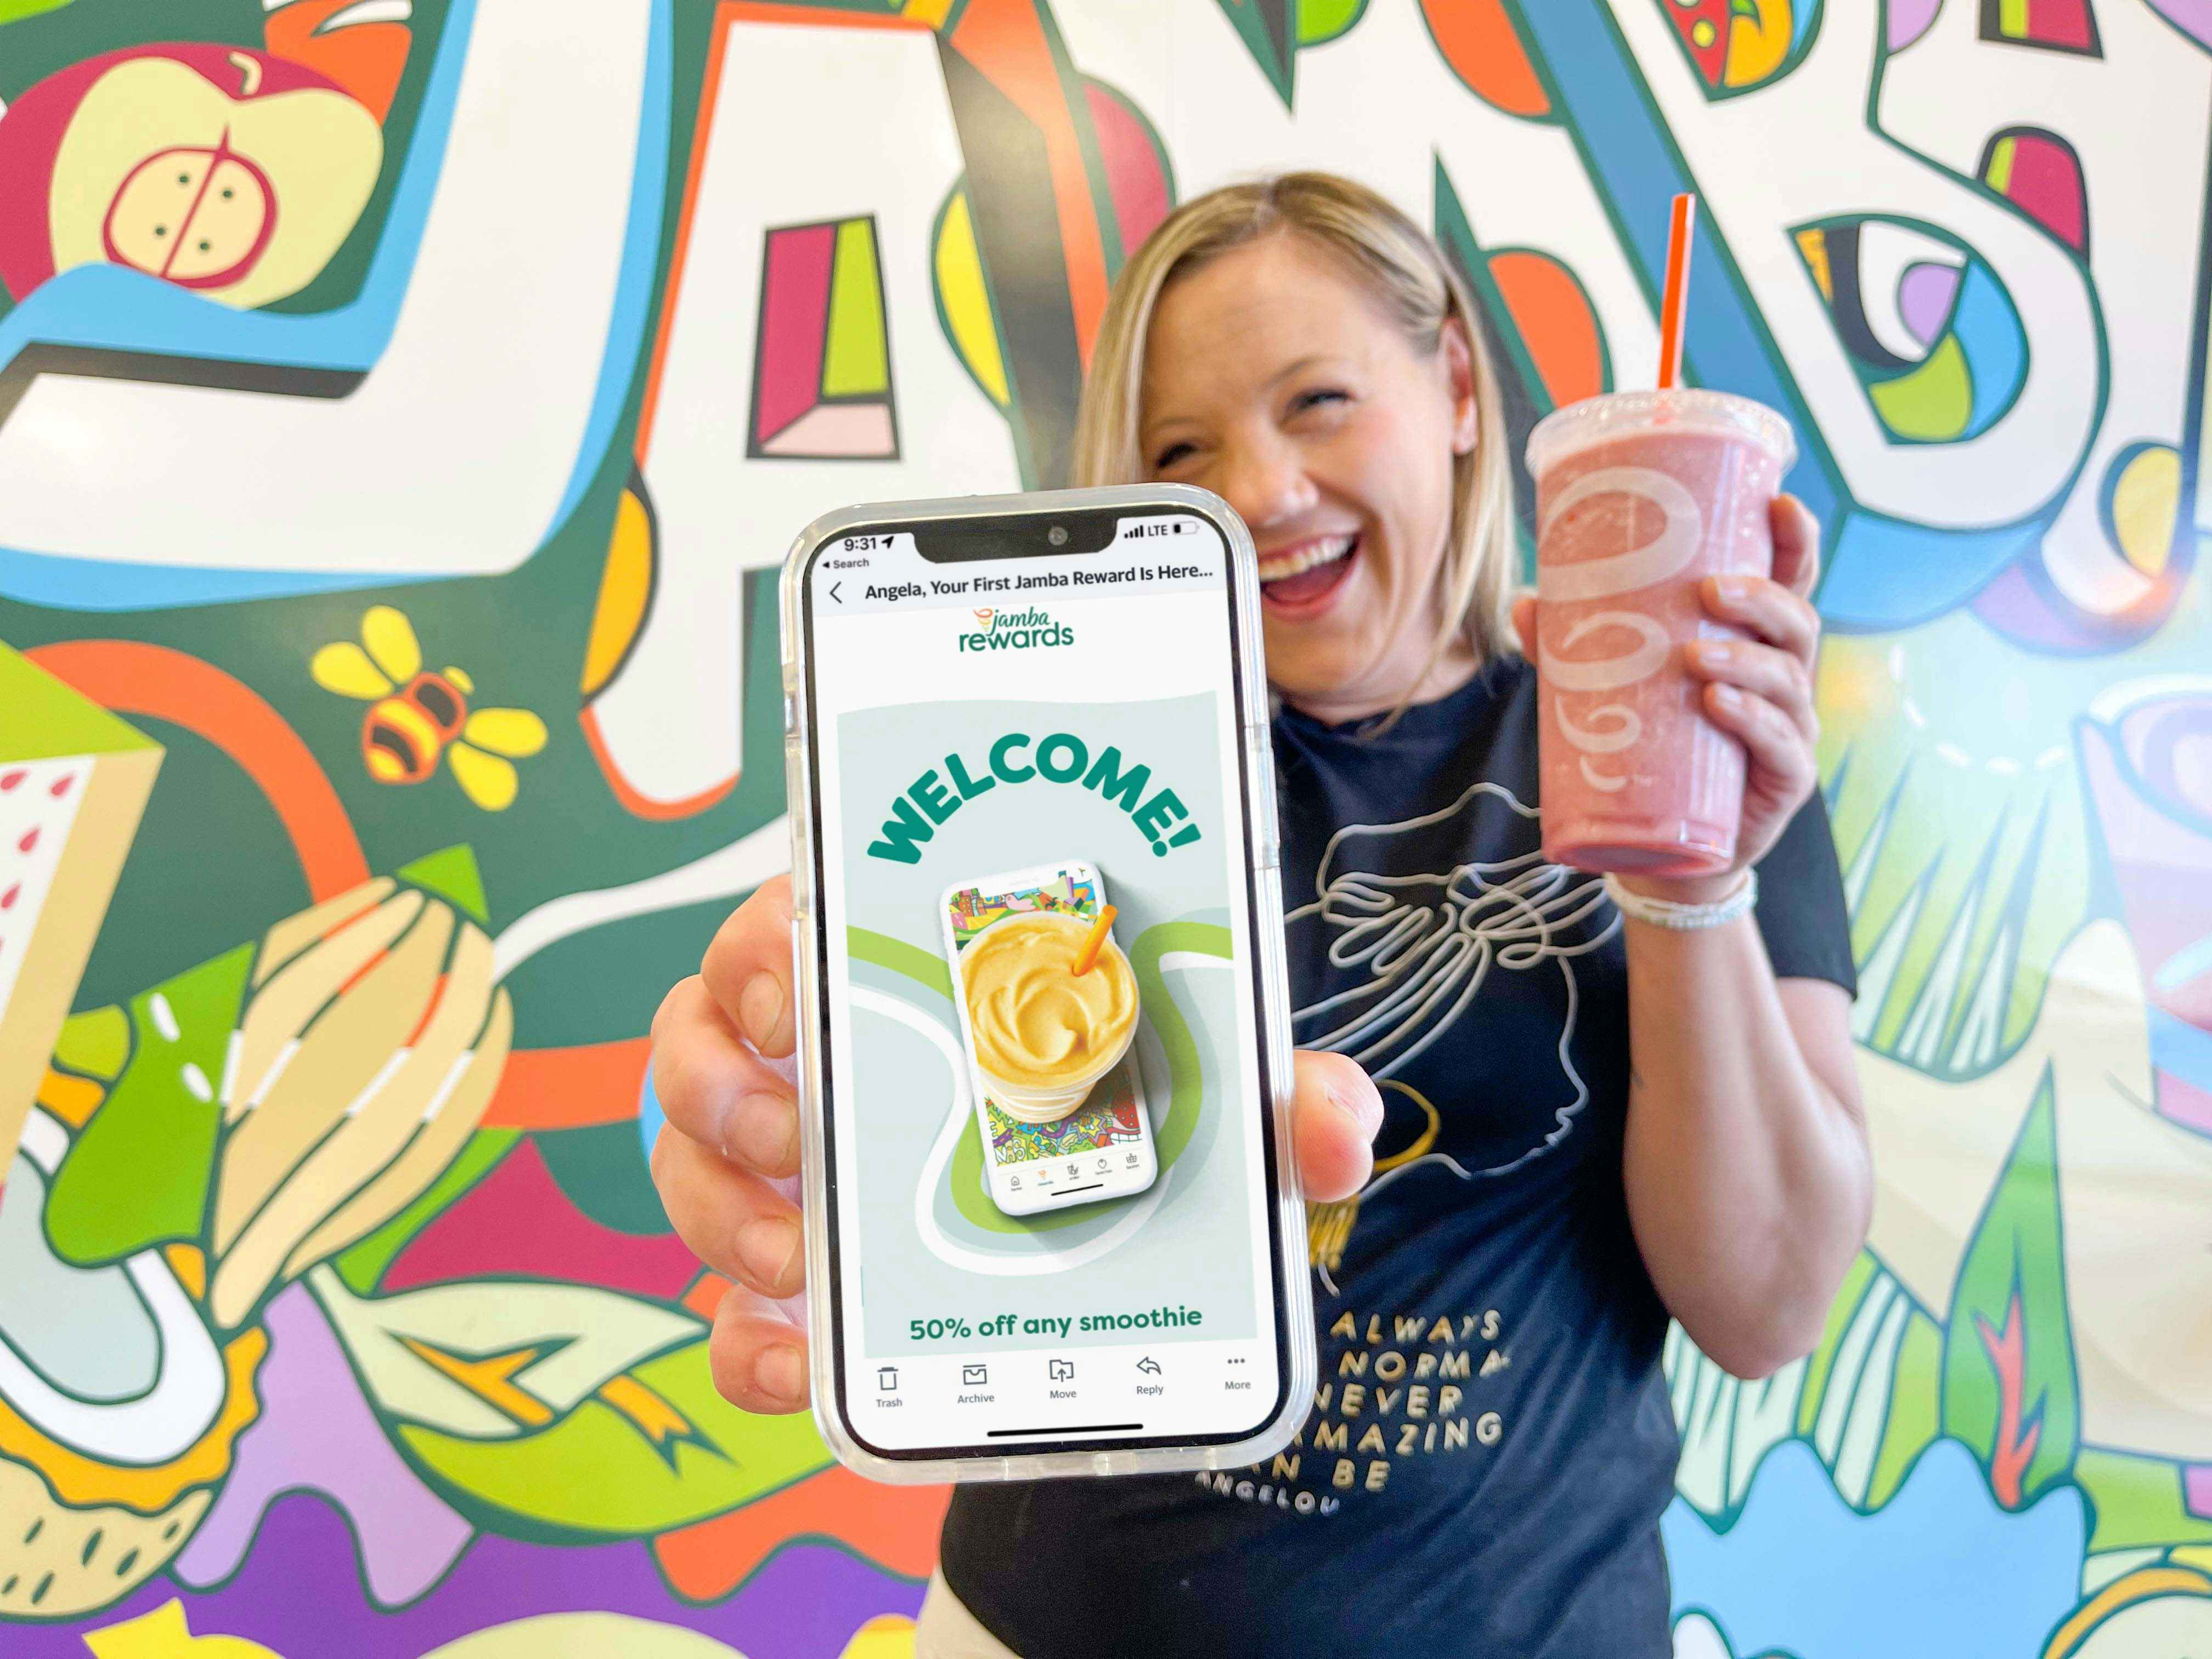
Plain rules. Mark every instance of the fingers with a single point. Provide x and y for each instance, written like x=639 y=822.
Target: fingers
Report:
x=1524 y=622
x=716 y=1089
x=1775 y=676
x=1768 y=609
x=1336 y=1112
x=748 y=968
x=732 y=1219
x=759 y=1362
x=1778 y=747
x=1796 y=545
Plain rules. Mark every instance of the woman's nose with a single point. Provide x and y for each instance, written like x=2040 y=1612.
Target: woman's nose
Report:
x=1264 y=482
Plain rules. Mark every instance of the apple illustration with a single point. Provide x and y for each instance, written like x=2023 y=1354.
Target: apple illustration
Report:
x=226 y=171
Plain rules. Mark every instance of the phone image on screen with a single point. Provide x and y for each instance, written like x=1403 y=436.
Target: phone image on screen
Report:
x=1053 y=1221
x=1060 y=1156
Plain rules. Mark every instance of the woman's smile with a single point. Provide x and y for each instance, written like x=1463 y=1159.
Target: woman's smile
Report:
x=1300 y=578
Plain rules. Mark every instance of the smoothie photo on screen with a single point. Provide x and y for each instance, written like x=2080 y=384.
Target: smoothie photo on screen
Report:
x=1048 y=1009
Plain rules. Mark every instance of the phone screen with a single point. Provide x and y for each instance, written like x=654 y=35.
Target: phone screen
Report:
x=1034 y=893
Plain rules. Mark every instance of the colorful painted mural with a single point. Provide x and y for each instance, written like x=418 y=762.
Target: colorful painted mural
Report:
x=402 y=406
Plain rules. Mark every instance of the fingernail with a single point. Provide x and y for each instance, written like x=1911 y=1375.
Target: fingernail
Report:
x=780 y=1372
x=1728 y=696
x=760 y=1006
x=1365 y=1106
x=764 y=1133
x=1731 y=588
x=1713 y=654
x=768 y=1249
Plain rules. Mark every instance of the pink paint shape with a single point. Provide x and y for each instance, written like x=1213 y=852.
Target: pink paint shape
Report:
x=2196 y=1484
x=2046 y=185
x=2061 y=23
x=794 y=326
x=2192 y=17
x=516 y=1223
x=1910 y=19
x=1133 y=176
x=837 y=431
x=1924 y=294
x=317 y=1433
x=2184 y=1102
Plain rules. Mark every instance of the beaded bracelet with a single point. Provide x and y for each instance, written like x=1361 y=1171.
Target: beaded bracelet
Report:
x=1673 y=914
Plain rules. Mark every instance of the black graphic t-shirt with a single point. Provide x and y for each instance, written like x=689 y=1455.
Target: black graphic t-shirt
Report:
x=1491 y=1443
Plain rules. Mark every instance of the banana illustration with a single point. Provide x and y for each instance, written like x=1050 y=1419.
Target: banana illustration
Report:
x=354 y=1058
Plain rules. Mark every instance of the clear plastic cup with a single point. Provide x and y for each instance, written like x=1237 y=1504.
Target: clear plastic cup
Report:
x=1640 y=496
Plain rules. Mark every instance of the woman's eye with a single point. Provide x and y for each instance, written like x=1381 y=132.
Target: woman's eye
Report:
x=1168 y=456
x=1320 y=395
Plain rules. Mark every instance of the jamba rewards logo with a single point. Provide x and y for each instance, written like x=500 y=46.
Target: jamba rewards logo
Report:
x=1014 y=630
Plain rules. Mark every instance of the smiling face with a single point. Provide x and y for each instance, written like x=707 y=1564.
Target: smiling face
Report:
x=1275 y=379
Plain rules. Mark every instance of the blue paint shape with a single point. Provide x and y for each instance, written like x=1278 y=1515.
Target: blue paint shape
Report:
x=1802 y=25
x=1940 y=1569
x=2181 y=1049
x=1885 y=572
x=640 y=252
x=650 y=1116
x=1996 y=345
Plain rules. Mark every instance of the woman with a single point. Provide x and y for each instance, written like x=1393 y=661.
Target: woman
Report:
x=1593 y=1121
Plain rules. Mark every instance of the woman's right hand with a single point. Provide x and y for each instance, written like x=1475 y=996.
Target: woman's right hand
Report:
x=733 y=1129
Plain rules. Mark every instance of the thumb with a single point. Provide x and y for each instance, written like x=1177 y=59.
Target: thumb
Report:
x=1337 y=1112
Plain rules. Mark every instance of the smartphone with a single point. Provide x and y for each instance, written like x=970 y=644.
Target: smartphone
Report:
x=999 y=711
x=1096 y=1150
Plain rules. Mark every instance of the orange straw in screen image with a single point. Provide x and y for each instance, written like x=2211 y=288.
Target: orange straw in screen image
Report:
x=1681 y=227
x=1093 y=941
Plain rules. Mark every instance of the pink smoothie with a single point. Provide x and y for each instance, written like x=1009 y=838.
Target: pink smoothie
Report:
x=1640 y=496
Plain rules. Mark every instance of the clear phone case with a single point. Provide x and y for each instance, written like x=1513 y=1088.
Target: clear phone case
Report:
x=1294 y=1289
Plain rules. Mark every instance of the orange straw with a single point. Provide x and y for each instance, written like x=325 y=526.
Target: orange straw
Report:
x=1093 y=940
x=1679 y=230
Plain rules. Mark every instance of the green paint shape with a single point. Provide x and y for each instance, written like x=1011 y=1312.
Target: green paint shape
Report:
x=2138 y=1502
x=452 y=875
x=12 y=11
x=46 y=718
x=1931 y=404
x=1822 y=1359
x=2017 y=1254
x=594 y=1474
x=602 y=1170
x=1915 y=1392
x=95 y=1042
x=1321 y=21
x=855 y=363
x=1266 y=30
x=138 y=1175
x=363 y=1266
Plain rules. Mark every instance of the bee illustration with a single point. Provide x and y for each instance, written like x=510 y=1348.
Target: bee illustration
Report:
x=416 y=714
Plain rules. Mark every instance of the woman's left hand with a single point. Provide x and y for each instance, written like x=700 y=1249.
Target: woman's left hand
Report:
x=1758 y=690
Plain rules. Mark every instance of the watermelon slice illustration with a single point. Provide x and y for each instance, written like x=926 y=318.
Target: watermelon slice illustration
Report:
x=73 y=781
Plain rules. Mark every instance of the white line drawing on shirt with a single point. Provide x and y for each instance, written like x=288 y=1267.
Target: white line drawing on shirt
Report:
x=1429 y=943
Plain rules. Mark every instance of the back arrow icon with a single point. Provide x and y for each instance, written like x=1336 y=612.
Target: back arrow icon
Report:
x=834 y=587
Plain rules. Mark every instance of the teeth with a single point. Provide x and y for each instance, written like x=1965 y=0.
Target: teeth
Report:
x=1307 y=556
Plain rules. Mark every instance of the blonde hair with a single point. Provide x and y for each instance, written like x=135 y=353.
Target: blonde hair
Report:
x=1409 y=275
